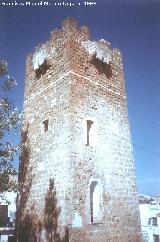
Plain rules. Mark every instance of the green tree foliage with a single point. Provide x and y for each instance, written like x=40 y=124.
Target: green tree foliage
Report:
x=9 y=125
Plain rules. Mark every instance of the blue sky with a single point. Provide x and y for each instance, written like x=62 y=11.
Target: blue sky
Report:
x=133 y=27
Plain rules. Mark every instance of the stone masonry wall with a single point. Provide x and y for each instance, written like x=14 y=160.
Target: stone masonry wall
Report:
x=69 y=80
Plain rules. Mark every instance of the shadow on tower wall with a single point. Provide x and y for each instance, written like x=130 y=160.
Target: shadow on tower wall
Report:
x=51 y=214
x=33 y=229
x=25 y=178
x=29 y=226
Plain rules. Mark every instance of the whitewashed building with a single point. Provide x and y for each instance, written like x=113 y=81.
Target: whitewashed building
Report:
x=7 y=217
x=150 y=218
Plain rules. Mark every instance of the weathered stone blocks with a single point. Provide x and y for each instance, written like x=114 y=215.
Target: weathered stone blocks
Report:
x=87 y=147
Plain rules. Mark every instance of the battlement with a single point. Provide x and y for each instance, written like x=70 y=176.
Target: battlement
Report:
x=58 y=37
x=71 y=49
x=70 y=30
x=69 y=23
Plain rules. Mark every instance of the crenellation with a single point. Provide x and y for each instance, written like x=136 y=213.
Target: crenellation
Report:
x=69 y=24
x=74 y=57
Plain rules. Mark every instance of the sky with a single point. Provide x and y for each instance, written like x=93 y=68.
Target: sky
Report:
x=133 y=26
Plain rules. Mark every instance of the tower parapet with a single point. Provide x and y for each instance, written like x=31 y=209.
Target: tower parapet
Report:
x=70 y=49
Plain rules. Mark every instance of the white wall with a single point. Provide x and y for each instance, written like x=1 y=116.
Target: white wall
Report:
x=148 y=211
x=11 y=197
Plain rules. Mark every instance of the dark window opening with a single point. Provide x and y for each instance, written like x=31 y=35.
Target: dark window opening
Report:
x=154 y=221
x=11 y=238
x=155 y=238
x=42 y=69
x=89 y=125
x=101 y=66
x=92 y=188
x=45 y=125
x=3 y=215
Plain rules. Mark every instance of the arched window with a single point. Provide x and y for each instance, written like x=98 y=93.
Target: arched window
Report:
x=95 y=201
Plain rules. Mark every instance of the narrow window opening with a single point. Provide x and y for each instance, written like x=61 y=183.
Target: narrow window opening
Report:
x=45 y=125
x=92 y=189
x=89 y=125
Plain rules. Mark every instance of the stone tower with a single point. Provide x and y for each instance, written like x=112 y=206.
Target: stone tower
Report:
x=76 y=127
